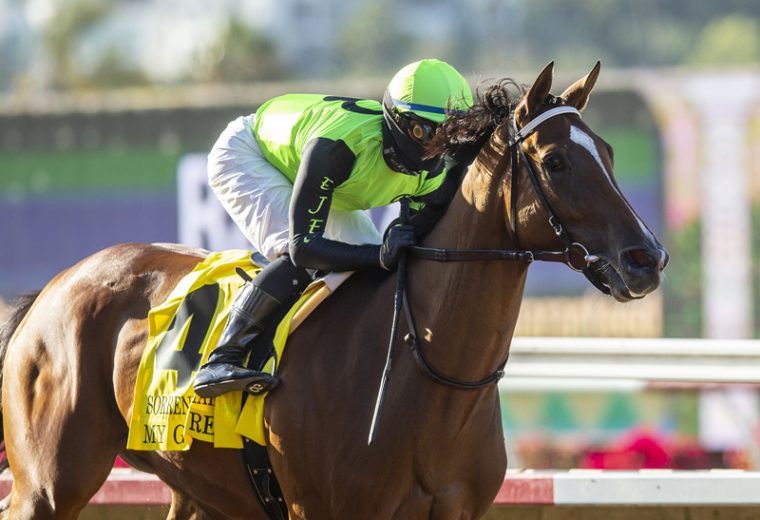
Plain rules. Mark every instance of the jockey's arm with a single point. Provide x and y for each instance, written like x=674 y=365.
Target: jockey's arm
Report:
x=431 y=207
x=325 y=164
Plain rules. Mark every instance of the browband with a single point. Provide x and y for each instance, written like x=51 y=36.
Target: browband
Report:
x=531 y=126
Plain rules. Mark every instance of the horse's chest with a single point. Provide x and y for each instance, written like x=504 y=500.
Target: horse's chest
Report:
x=454 y=502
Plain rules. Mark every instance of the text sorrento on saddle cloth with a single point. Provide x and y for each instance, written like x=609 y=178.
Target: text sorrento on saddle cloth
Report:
x=166 y=414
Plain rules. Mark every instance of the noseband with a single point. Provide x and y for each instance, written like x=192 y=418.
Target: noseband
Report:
x=573 y=251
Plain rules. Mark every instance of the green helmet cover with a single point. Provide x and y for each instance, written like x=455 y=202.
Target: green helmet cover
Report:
x=430 y=88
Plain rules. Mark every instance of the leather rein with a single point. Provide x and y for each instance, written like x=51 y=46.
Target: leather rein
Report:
x=565 y=256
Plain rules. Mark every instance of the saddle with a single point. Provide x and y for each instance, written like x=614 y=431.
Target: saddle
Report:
x=183 y=330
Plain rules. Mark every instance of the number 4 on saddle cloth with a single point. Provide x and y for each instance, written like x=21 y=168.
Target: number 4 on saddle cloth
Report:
x=183 y=330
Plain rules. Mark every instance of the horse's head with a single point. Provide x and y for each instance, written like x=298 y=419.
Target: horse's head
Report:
x=572 y=171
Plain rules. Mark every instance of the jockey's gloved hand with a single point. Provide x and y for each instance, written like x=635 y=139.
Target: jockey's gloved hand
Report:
x=396 y=241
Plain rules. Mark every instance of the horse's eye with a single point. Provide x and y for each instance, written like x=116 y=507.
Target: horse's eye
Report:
x=554 y=163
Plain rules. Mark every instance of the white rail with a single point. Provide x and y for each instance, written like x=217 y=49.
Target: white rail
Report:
x=523 y=487
x=627 y=363
x=632 y=488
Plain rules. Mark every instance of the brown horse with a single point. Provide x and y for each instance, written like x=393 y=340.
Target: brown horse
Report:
x=70 y=367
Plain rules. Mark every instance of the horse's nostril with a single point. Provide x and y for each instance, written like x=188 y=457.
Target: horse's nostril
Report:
x=641 y=258
x=664 y=258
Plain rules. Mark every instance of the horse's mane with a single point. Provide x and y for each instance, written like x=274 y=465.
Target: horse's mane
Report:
x=462 y=136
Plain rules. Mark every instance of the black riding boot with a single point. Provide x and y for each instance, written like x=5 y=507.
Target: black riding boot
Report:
x=256 y=301
x=224 y=372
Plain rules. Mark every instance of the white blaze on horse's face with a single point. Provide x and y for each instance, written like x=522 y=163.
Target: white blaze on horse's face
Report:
x=624 y=255
x=581 y=138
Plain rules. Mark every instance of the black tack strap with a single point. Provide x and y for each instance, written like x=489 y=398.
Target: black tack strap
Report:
x=424 y=364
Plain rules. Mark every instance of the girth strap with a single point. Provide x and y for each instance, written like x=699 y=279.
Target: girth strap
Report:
x=256 y=457
x=263 y=480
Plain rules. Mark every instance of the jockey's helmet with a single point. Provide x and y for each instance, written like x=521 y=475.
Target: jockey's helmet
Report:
x=418 y=98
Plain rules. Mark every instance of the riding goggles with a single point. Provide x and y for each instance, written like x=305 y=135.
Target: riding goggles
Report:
x=413 y=125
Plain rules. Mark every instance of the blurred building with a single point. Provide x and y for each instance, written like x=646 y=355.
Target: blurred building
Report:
x=165 y=39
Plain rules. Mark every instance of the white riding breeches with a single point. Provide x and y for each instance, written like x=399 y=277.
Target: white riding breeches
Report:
x=257 y=195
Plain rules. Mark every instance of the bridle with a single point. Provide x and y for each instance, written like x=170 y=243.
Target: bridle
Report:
x=401 y=300
x=565 y=256
x=517 y=254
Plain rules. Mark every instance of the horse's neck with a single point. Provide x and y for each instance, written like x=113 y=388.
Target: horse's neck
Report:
x=476 y=217
x=469 y=309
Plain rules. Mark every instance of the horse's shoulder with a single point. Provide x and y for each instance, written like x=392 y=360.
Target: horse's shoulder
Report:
x=367 y=282
x=365 y=293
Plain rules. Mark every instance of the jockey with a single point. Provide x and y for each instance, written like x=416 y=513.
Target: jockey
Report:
x=296 y=177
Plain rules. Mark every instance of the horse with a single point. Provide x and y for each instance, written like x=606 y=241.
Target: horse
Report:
x=540 y=187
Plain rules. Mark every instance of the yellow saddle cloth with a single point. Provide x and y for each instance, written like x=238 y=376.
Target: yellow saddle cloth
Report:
x=166 y=414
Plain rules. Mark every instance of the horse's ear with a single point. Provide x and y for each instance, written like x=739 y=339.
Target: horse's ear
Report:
x=540 y=89
x=577 y=94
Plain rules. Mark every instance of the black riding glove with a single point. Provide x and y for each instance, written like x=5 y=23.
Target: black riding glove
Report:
x=398 y=239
